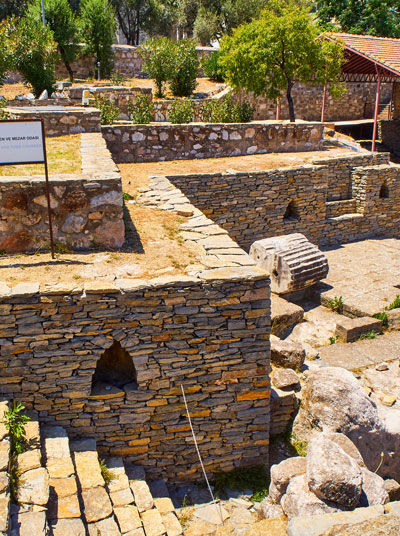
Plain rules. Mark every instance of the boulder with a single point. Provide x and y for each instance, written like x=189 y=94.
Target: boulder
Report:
x=332 y=474
x=347 y=445
x=285 y=378
x=334 y=401
x=269 y=509
x=293 y=262
x=393 y=489
x=286 y=354
x=384 y=525
x=300 y=501
x=373 y=489
x=282 y=473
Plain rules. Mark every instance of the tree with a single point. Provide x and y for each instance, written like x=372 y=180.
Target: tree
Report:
x=98 y=27
x=237 y=12
x=61 y=20
x=136 y=16
x=284 y=46
x=374 y=17
x=33 y=52
x=158 y=61
x=12 y=7
x=185 y=68
x=5 y=53
x=206 y=26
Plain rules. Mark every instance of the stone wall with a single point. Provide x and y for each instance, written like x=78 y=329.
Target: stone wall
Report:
x=127 y=61
x=357 y=103
x=253 y=206
x=87 y=209
x=389 y=133
x=284 y=403
x=150 y=143
x=60 y=120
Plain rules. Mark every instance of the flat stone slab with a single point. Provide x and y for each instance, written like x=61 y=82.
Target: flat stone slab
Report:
x=152 y=523
x=128 y=518
x=106 y=527
x=143 y=497
x=68 y=527
x=344 y=355
x=34 y=488
x=172 y=525
x=97 y=504
x=351 y=329
x=88 y=469
x=33 y=524
x=212 y=513
x=284 y=315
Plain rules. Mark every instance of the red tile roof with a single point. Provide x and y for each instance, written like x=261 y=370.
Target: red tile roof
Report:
x=363 y=52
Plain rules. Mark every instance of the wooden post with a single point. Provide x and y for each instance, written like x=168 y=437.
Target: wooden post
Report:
x=378 y=94
x=48 y=192
x=323 y=104
x=278 y=110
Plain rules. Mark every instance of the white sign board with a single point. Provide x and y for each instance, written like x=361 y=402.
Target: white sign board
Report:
x=21 y=142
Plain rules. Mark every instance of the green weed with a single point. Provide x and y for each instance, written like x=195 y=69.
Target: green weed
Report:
x=106 y=473
x=383 y=317
x=332 y=340
x=336 y=305
x=395 y=304
x=255 y=478
x=371 y=334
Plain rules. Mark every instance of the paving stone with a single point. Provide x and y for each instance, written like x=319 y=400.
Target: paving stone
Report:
x=171 y=524
x=31 y=459
x=152 y=523
x=141 y=492
x=64 y=507
x=164 y=505
x=351 y=329
x=4 y=510
x=122 y=497
x=105 y=527
x=348 y=356
x=4 y=454
x=32 y=524
x=68 y=527
x=60 y=467
x=212 y=513
x=128 y=518
x=34 y=487
x=96 y=503
x=63 y=487
x=88 y=469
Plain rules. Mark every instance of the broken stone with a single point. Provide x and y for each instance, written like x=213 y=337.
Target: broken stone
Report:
x=282 y=473
x=96 y=503
x=292 y=261
x=284 y=315
x=373 y=489
x=351 y=329
x=285 y=378
x=286 y=353
x=393 y=489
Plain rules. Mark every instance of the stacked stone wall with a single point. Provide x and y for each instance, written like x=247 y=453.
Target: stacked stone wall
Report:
x=389 y=133
x=253 y=206
x=87 y=209
x=151 y=143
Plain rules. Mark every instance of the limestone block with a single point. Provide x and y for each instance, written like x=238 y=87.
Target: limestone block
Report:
x=34 y=487
x=350 y=329
x=28 y=460
x=105 y=527
x=292 y=261
x=4 y=454
x=33 y=523
x=4 y=509
x=88 y=469
x=152 y=523
x=284 y=315
x=68 y=527
x=171 y=524
x=143 y=497
x=285 y=378
x=96 y=503
x=128 y=518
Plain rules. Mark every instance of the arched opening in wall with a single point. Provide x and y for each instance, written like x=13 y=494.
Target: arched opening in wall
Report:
x=291 y=212
x=114 y=368
x=384 y=191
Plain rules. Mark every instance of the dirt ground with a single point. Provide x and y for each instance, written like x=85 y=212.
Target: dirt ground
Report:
x=137 y=175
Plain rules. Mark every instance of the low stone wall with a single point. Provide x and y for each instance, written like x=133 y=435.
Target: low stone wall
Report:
x=87 y=209
x=356 y=103
x=127 y=61
x=253 y=206
x=60 y=120
x=150 y=143
x=207 y=330
x=283 y=406
x=389 y=133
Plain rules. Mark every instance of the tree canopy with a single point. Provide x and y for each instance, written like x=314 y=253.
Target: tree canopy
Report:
x=283 y=46
x=374 y=17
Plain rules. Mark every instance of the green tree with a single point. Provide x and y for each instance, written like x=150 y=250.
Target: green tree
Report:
x=374 y=17
x=97 y=19
x=5 y=53
x=62 y=22
x=135 y=16
x=185 y=68
x=12 y=7
x=284 y=46
x=158 y=61
x=33 y=52
x=206 y=26
x=237 y=12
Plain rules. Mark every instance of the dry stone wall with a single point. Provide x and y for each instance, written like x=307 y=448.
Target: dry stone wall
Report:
x=87 y=209
x=207 y=330
x=151 y=143
x=253 y=206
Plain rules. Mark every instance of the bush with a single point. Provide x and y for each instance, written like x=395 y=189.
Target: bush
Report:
x=98 y=28
x=142 y=110
x=158 y=59
x=5 y=56
x=206 y=26
x=211 y=67
x=185 y=68
x=33 y=53
x=3 y=113
x=181 y=111
x=226 y=111
x=109 y=112
x=62 y=22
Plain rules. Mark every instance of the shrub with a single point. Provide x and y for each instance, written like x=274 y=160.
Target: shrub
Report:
x=117 y=78
x=226 y=111
x=33 y=53
x=107 y=475
x=109 y=112
x=62 y=22
x=5 y=56
x=336 y=305
x=206 y=26
x=211 y=67
x=98 y=28
x=142 y=110
x=3 y=113
x=158 y=57
x=181 y=111
x=185 y=68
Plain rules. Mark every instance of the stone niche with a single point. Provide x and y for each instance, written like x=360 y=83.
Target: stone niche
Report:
x=87 y=209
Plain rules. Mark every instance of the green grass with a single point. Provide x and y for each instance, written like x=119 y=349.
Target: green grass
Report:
x=371 y=334
x=336 y=305
x=383 y=317
x=395 y=304
x=332 y=340
x=255 y=478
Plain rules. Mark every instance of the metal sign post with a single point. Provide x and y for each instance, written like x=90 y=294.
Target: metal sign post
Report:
x=24 y=142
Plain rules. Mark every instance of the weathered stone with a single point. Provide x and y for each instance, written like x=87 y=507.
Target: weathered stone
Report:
x=32 y=523
x=31 y=459
x=4 y=511
x=212 y=513
x=282 y=473
x=105 y=527
x=284 y=315
x=63 y=507
x=270 y=509
x=172 y=525
x=141 y=492
x=285 y=378
x=128 y=518
x=345 y=444
x=373 y=489
x=34 y=488
x=96 y=504
x=385 y=525
x=4 y=454
x=88 y=469
x=393 y=489
x=68 y=527
x=286 y=354
x=152 y=522
x=292 y=261
x=351 y=329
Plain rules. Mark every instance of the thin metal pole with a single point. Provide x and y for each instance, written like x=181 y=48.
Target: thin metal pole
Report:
x=48 y=191
x=391 y=102
x=378 y=94
x=198 y=453
x=323 y=104
x=43 y=14
x=278 y=110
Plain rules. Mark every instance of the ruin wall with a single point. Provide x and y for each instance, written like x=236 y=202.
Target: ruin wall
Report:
x=150 y=143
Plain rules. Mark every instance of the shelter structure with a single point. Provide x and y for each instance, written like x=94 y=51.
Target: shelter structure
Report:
x=371 y=59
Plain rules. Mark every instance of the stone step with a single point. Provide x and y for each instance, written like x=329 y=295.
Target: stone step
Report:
x=4 y=480
x=63 y=508
x=96 y=503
